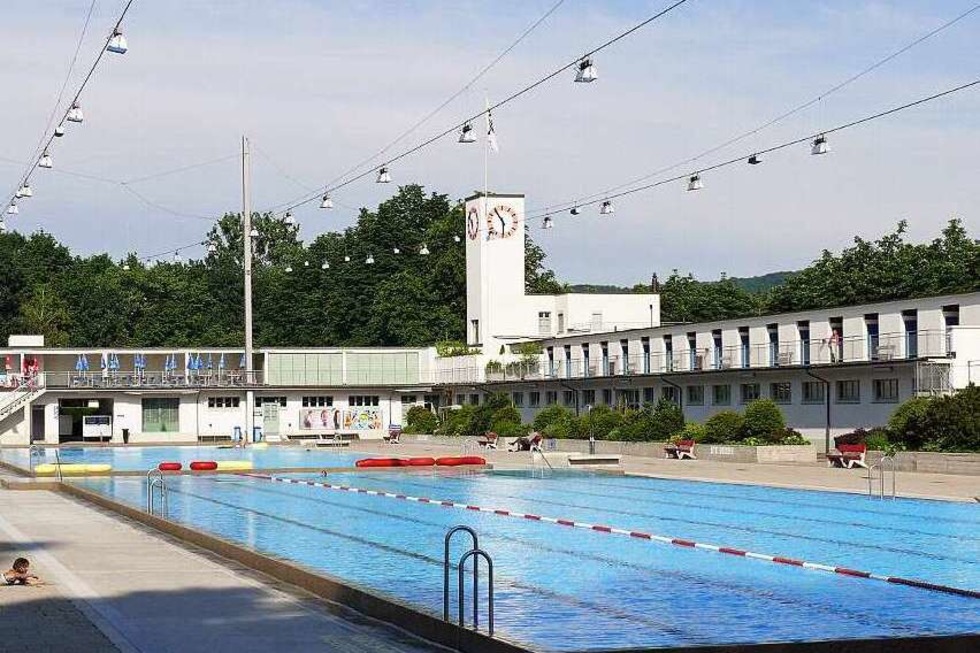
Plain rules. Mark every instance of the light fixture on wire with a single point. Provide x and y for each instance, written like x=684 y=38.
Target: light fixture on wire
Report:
x=24 y=191
x=3 y=226
x=819 y=145
x=384 y=177
x=575 y=210
x=75 y=113
x=212 y=248
x=694 y=182
x=325 y=265
x=178 y=259
x=457 y=239
x=424 y=251
x=755 y=160
x=125 y=267
x=254 y=233
x=289 y=220
x=547 y=223
x=395 y=250
x=607 y=208
x=306 y=264
x=466 y=134
x=289 y=268
x=326 y=202
x=59 y=131
x=117 y=44
x=586 y=71
x=346 y=259
x=369 y=260
x=13 y=209
x=45 y=161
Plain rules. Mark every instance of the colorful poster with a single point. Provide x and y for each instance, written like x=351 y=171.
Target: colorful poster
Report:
x=363 y=419
x=320 y=419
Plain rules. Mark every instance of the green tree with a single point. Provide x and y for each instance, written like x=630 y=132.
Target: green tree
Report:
x=47 y=314
x=764 y=420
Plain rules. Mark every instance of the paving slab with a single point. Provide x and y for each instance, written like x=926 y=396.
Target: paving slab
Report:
x=147 y=593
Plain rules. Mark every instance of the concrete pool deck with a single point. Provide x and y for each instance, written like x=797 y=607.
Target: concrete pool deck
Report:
x=113 y=585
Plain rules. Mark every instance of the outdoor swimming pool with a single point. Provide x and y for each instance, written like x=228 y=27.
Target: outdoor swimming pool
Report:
x=129 y=459
x=561 y=588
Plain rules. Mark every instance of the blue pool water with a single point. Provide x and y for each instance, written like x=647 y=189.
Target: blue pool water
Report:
x=125 y=459
x=561 y=588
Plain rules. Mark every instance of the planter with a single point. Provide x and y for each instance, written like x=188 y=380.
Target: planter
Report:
x=931 y=462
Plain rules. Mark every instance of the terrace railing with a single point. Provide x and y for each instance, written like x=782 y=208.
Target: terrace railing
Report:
x=154 y=379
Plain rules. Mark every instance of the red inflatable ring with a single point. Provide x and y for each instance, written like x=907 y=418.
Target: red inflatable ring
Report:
x=204 y=465
x=453 y=461
x=421 y=462
x=170 y=467
x=379 y=462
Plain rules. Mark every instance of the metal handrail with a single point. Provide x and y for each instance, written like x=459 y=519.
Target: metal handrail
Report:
x=57 y=457
x=155 y=479
x=476 y=554
x=886 y=464
x=445 y=566
x=31 y=452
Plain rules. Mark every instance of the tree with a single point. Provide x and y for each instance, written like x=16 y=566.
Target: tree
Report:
x=45 y=313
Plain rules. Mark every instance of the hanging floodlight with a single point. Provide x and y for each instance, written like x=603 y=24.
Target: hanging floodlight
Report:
x=59 y=131
x=607 y=208
x=457 y=239
x=587 y=71
x=325 y=265
x=466 y=134
x=424 y=251
x=575 y=210
x=819 y=145
x=24 y=191
x=326 y=202
x=346 y=259
x=117 y=44
x=395 y=250
x=547 y=223
x=695 y=183
x=289 y=220
x=212 y=248
x=369 y=260
x=755 y=160
x=289 y=268
x=45 y=161
x=12 y=209
x=384 y=177
x=178 y=259
x=75 y=113
x=125 y=267
x=254 y=233
x=3 y=226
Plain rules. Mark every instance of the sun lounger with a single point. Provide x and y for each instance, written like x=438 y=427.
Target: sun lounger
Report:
x=848 y=456
x=489 y=440
x=394 y=433
x=681 y=450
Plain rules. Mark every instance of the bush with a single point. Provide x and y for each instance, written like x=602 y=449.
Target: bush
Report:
x=420 y=420
x=877 y=440
x=457 y=422
x=905 y=424
x=483 y=414
x=600 y=421
x=952 y=423
x=857 y=436
x=691 y=431
x=559 y=430
x=506 y=423
x=787 y=436
x=552 y=415
x=763 y=419
x=726 y=426
x=667 y=419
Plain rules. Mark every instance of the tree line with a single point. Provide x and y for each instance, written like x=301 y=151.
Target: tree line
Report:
x=402 y=299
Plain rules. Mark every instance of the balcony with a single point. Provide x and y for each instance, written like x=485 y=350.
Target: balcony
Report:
x=149 y=379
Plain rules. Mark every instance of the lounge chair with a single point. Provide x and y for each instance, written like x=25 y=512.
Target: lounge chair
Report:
x=394 y=434
x=680 y=450
x=848 y=456
x=525 y=443
x=489 y=440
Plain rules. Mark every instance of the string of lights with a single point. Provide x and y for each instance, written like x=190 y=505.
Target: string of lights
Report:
x=586 y=71
x=549 y=210
x=114 y=43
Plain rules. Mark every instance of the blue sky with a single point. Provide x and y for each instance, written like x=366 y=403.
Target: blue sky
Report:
x=319 y=86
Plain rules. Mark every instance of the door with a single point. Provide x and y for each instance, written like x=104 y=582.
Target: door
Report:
x=37 y=424
x=270 y=419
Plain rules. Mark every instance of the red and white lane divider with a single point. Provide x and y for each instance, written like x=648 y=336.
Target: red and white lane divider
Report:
x=640 y=535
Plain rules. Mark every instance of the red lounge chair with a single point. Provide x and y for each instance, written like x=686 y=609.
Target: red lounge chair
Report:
x=848 y=456
x=394 y=433
x=683 y=449
x=489 y=440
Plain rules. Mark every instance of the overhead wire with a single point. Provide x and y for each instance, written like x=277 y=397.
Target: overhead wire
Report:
x=329 y=188
x=773 y=121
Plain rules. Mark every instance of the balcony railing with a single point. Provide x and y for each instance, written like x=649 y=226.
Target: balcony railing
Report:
x=153 y=379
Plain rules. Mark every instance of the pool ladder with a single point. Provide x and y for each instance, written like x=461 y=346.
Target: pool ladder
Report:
x=37 y=450
x=476 y=553
x=156 y=484
x=883 y=467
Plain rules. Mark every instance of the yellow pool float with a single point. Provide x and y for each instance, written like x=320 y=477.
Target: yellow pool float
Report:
x=259 y=445
x=72 y=468
x=234 y=465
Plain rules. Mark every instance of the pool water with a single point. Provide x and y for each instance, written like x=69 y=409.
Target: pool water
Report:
x=127 y=459
x=562 y=589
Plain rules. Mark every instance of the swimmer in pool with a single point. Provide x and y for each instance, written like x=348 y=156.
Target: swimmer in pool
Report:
x=20 y=574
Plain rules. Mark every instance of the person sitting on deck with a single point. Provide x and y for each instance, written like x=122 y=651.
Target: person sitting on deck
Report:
x=19 y=574
x=530 y=442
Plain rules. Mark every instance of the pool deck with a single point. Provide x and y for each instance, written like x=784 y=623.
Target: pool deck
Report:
x=101 y=596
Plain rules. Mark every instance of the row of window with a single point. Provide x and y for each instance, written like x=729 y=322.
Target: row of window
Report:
x=813 y=392
x=317 y=401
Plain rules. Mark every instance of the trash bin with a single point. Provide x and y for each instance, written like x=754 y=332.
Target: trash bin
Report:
x=236 y=434
x=125 y=436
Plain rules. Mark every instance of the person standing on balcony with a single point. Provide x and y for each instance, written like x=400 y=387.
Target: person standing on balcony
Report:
x=834 y=342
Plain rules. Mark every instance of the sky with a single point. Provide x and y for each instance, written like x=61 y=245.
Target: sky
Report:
x=318 y=86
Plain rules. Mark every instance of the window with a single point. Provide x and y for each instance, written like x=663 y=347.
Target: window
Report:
x=848 y=392
x=588 y=397
x=460 y=400
x=695 y=395
x=551 y=397
x=561 y=323
x=475 y=330
x=262 y=401
x=161 y=415
x=669 y=393
x=630 y=398
x=406 y=399
x=649 y=396
x=750 y=392
x=721 y=395
x=568 y=397
x=474 y=399
x=518 y=399
x=781 y=393
x=607 y=396
x=223 y=402
x=321 y=401
x=544 y=323
x=534 y=399
x=814 y=392
x=364 y=400
x=885 y=390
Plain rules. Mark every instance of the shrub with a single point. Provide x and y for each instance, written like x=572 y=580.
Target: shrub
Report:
x=551 y=415
x=952 y=423
x=506 y=422
x=691 y=431
x=787 y=436
x=560 y=430
x=857 y=436
x=420 y=420
x=666 y=420
x=600 y=421
x=905 y=424
x=763 y=419
x=877 y=440
x=483 y=414
x=456 y=422
x=726 y=426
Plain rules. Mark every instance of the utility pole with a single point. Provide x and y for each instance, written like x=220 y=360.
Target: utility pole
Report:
x=247 y=259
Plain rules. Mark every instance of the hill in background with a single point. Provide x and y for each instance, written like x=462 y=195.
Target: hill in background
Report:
x=760 y=283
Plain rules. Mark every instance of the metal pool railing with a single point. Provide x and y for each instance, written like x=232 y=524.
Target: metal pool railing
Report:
x=882 y=467
x=476 y=553
x=156 y=481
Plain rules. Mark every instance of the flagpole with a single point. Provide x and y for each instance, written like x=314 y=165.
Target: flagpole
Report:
x=247 y=238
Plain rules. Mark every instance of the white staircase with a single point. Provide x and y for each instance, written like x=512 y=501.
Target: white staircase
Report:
x=16 y=399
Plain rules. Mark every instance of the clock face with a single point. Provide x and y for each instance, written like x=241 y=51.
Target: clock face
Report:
x=473 y=223
x=502 y=222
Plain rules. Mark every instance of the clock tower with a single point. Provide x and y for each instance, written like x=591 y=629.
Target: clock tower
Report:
x=494 y=268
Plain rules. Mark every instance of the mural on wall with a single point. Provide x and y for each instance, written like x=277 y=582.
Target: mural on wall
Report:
x=363 y=419
x=320 y=418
